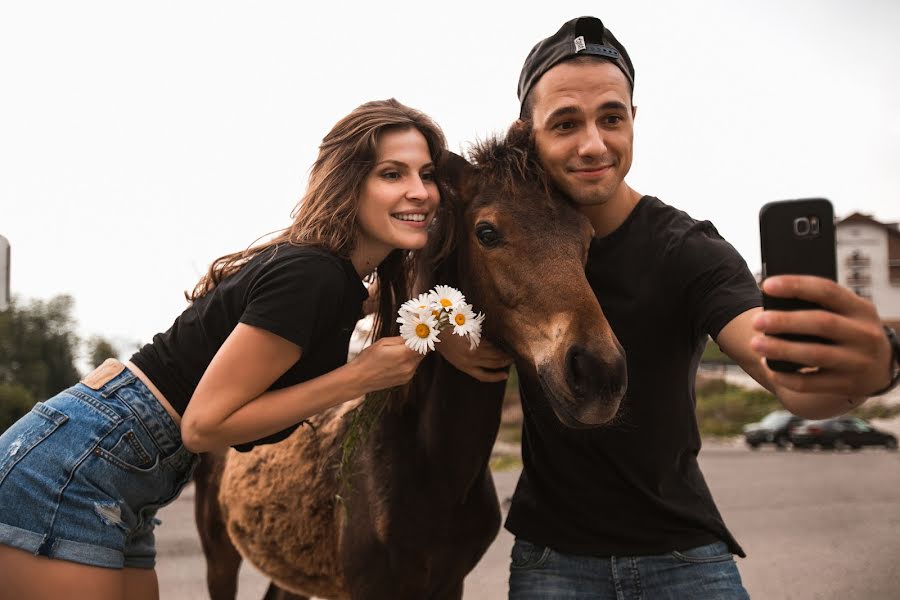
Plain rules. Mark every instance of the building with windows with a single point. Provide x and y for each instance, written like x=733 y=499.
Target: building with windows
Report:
x=868 y=257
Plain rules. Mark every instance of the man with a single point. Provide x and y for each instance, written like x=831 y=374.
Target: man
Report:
x=623 y=510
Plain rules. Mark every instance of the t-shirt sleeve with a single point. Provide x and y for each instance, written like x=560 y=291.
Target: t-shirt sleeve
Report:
x=716 y=284
x=293 y=297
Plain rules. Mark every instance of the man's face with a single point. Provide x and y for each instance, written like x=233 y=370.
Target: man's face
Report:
x=584 y=129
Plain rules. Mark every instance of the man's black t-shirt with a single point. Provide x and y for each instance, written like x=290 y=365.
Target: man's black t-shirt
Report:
x=304 y=294
x=633 y=487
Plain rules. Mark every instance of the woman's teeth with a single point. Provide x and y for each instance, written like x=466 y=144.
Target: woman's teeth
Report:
x=414 y=217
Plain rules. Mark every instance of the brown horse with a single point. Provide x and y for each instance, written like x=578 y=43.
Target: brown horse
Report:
x=422 y=508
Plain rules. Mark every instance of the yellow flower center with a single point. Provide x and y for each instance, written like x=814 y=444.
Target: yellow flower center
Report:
x=460 y=319
x=435 y=313
x=423 y=330
x=446 y=303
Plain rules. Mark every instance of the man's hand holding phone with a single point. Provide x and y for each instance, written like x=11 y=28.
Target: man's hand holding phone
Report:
x=855 y=363
x=818 y=336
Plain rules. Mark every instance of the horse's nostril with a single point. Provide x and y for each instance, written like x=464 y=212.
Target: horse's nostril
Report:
x=580 y=366
x=589 y=377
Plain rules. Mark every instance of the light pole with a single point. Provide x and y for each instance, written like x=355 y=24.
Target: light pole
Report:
x=4 y=273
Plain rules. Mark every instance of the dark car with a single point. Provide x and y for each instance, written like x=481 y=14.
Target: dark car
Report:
x=773 y=429
x=839 y=433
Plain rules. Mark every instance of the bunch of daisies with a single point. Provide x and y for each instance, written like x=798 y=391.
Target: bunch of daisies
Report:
x=422 y=319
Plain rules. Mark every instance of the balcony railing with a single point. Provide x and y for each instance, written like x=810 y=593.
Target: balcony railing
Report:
x=859 y=280
x=858 y=261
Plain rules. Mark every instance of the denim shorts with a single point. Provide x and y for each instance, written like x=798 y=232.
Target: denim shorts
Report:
x=706 y=572
x=83 y=474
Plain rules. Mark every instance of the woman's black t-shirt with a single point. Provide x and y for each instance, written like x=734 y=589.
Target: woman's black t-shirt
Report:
x=303 y=294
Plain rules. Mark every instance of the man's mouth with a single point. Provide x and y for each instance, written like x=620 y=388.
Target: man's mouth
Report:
x=591 y=172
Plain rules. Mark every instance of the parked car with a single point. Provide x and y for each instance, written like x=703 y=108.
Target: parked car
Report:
x=773 y=429
x=839 y=433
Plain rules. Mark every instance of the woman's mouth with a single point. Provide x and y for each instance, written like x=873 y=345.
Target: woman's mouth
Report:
x=413 y=219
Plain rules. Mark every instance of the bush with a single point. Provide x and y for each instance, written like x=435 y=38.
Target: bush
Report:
x=15 y=401
x=712 y=354
x=723 y=409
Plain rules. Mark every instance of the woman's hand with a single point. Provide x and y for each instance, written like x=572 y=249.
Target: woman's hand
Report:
x=385 y=364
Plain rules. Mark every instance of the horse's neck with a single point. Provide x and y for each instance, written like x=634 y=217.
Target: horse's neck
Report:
x=451 y=418
x=460 y=417
x=450 y=422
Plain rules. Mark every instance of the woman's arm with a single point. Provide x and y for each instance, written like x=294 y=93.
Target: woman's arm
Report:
x=231 y=405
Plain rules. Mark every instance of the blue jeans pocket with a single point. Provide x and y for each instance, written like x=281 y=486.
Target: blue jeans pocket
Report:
x=26 y=433
x=526 y=555
x=129 y=454
x=711 y=553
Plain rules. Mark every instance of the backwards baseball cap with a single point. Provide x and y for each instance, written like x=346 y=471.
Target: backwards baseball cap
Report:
x=581 y=36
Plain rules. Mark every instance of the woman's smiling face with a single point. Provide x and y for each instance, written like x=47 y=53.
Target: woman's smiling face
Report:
x=399 y=196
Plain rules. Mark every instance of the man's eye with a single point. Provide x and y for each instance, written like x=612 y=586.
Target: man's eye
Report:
x=564 y=126
x=612 y=120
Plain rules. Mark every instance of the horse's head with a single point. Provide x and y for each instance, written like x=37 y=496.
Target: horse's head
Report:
x=521 y=250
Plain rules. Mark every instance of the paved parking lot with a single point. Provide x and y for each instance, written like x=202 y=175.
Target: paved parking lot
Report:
x=815 y=525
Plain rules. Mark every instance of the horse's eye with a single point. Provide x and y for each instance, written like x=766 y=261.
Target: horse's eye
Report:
x=487 y=235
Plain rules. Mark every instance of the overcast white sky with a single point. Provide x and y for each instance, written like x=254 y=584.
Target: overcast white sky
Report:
x=140 y=141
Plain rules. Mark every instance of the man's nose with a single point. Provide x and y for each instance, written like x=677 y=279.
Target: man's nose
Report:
x=592 y=143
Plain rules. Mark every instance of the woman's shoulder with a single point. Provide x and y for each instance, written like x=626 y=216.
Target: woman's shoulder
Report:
x=302 y=265
x=305 y=258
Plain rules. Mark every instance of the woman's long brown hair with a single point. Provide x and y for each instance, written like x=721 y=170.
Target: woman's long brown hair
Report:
x=326 y=215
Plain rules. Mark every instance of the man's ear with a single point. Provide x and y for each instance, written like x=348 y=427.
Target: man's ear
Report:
x=633 y=112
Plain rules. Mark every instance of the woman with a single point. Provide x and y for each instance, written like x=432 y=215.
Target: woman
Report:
x=262 y=346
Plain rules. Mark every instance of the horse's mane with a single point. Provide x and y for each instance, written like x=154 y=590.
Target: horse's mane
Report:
x=507 y=163
x=510 y=160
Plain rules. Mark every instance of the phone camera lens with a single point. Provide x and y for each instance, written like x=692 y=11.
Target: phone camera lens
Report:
x=802 y=226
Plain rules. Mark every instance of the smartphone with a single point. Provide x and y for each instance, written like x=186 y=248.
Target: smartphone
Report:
x=796 y=238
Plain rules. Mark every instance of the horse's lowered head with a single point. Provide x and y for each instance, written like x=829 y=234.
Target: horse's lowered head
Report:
x=521 y=256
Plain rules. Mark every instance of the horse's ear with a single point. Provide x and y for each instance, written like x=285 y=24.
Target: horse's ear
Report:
x=519 y=134
x=454 y=171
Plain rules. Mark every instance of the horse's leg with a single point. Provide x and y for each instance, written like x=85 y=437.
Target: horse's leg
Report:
x=276 y=593
x=222 y=558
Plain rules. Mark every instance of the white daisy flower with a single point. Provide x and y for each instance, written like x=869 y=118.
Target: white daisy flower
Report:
x=463 y=319
x=419 y=330
x=475 y=331
x=416 y=305
x=444 y=297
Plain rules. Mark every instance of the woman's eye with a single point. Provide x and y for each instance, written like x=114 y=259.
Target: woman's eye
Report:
x=487 y=235
x=428 y=177
x=391 y=175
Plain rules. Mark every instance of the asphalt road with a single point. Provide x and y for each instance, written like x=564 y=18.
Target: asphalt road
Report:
x=815 y=525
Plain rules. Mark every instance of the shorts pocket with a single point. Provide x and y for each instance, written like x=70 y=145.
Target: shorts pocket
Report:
x=130 y=454
x=712 y=553
x=26 y=433
x=526 y=555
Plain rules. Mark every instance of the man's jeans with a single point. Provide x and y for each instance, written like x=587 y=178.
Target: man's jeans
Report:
x=704 y=573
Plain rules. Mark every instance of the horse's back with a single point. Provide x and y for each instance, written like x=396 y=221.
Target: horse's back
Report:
x=278 y=503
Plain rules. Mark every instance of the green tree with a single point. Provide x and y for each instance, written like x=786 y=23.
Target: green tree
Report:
x=37 y=353
x=99 y=349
